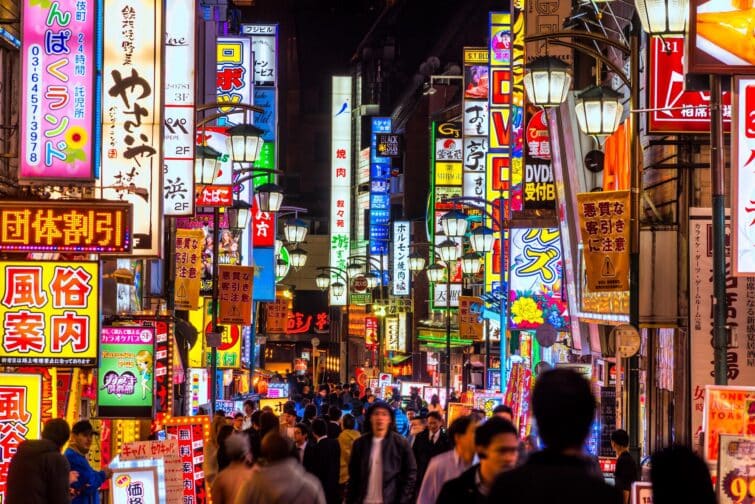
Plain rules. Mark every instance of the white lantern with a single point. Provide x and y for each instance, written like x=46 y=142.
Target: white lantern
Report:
x=435 y=272
x=598 y=111
x=547 y=81
x=663 y=17
x=454 y=223
x=449 y=251
x=481 y=238
x=245 y=142
x=269 y=197
x=206 y=164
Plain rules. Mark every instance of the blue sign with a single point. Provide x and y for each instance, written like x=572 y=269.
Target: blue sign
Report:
x=265 y=98
x=380 y=190
x=264 y=274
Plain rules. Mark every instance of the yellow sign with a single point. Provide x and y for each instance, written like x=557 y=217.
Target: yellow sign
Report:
x=448 y=174
x=189 y=244
x=276 y=404
x=229 y=351
x=49 y=313
x=475 y=55
x=604 y=226
x=470 y=318
x=726 y=410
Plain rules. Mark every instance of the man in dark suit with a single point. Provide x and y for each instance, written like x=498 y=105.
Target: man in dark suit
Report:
x=327 y=461
x=430 y=442
x=334 y=428
x=304 y=447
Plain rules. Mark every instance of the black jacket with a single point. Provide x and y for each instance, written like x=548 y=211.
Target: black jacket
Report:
x=309 y=462
x=569 y=481
x=333 y=430
x=399 y=470
x=424 y=450
x=38 y=474
x=327 y=458
x=462 y=490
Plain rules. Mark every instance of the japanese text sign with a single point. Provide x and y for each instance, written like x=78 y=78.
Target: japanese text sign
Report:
x=125 y=381
x=277 y=315
x=401 y=273
x=604 y=227
x=57 y=94
x=263 y=227
x=736 y=457
x=131 y=115
x=743 y=177
x=234 y=74
x=470 y=318
x=675 y=110
x=380 y=188
x=303 y=323
x=235 y=294
x=138 y=482
x=20 y=419
x=188 y=257
x=178 y=124
x=167 y=451
x=265 y=49
x=371 y=327
x=536 y=279
x=49 y=313
x=214 y=195
x=727 y=410
x=276 y=404
x=392 y=334
x=340 y=181
x=192 y=433
x=65 y=226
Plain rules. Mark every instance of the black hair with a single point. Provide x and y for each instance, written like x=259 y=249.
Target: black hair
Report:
x=334 y=413
x=436 y=415
x=255 y=418
x=376 y=406
x=620 y=437
x=494 y=426
x=304 y=428
x=310 y=411
x=502 y=408
x=249 y=402
x=238 y=415
x=459 y=426
x=348 y=421
x=275 y=447
x=678 y=475
x=268 y=422
x=319 y=427
x=564 y=407
x=57 y=431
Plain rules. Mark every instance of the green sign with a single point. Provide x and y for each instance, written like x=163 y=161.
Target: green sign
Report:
x=361 y=298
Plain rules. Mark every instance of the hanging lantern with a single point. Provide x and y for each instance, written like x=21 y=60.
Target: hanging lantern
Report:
x=449 y=251
x=435 y=272
x=338 y=289
x=206 y=164
x=598 y=111
x=547 y=81
x=239 y=215
x=481 y=238
x=281 y=268
x=416 y=262
x=663 y=17
x=323 y=281
x=454 y=223
x=245 y=142
x=470 y=263
x=269 y=197
x=295 y=231
x=298 y=258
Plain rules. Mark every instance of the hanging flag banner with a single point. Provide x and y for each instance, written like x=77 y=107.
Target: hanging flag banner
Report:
x=401 y=274
x=125 y=378
x=131 y=120
x=58 y=101
x=235 y=294
x=188 y=257
x=604 y=227
x=743 y=177
x=470 y=318
x=178 y=124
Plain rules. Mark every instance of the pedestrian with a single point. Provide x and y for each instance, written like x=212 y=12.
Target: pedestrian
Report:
x=280 y=479
x=430 y=443
x=564 y=409
x=402 y=421
x=86 y=490
x=417 y=425
x=222 y=454
x=38 y=473
x=210 y=464
x=346 y=439
x=288 y=422
x=327 y=459
x=626 y=471
x=415 y=402
x=321 y=400
x=254 y=436
x=230 y=479
x=268 y=422
x=334 y=417
x=304 y=447
x=248 y=410
x=504 y=412
x=382 y=469
x=452 y=463
x=435 y=404
x=680 y=475
x=238 y=422
x=497 y=445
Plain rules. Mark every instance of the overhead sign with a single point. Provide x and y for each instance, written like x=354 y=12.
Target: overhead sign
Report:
x=50 y=313
x=234 y=75
x=58 y=99
x=674 y=110
x=131 y=118
x=340 y=181
x=235 y=294
x=125 y=378
x=743 y=177
x=401 y=273
x=214 y=195
x=719 y=40
x=178 y=124
x=101 y=227
x=277 y=316
x=189 y=268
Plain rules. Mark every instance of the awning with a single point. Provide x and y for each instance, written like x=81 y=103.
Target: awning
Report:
x=435 y=340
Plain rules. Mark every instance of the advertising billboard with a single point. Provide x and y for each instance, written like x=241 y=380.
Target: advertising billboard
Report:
x=234 y=76
x=340 y=182
x=400 y=243
x=720 y=40
x=743 y=177
x=380 y=189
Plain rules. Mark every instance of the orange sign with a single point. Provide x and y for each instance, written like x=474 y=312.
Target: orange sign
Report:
x=101 y=227
x=470 y=318
x=727 y=410
x=277 y=316
x=235 y=292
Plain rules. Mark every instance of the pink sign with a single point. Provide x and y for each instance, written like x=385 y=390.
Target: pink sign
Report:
x=57 y=90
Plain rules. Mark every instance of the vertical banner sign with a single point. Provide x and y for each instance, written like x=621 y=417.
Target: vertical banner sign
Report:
x=57 y=95
x=178 y=123
x=234 y=75
x=340 y=180
x=188 y=257
x=371 y=327
x=743 y=177
x=740 y=316
x=20 y=419
x=380 y=190
x=476 y=120
x=727 y=410
x=391 y=334
x=539 y=187
x=402 y=331
x=401 y=274
x=470 y=318
x=49 y=313
x=265 y=51
x=125 y=379
x=518 y=118
x=604 y=227
x=735 y=483
x=235 y=294
x=131 y=118
x=277 y=316
x=163 y=382
x=192 y=434
x=536 y=281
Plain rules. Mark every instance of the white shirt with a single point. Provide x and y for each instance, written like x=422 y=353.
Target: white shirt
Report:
x=444 y=467
x=375 y=479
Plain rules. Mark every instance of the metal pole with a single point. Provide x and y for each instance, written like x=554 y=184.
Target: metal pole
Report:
x=448 y=332
x=346 y=332
x=720 y=339
x=487 y=352
x=501 y=307
x=214 y=313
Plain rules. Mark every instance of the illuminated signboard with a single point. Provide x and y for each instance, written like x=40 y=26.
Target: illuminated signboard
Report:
x=234 y=74
x=125 y=378
x=102 y=227
x=178 y=125
x=536 y=280
x=401 y=274
x=192 y=433
x=131 y=119
x=380 y=190
x=719 y=39
x=57 y=92
x=49 y=313
x=743 y=177
x=214 y=196
x=21 y=419
x=340 y=180
x=476 y=121
x=389 y=145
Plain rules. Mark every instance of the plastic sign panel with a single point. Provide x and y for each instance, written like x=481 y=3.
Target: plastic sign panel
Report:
x=102 y=227
x=727 y=410
x=675 y=110
x=234 y=75
x=125 y=379
x=735 y=482
x=401 y=273
x=536 y=280
x=476 y=120
x=131 y=119
x=138 y=481
x=50 y=313
x=380 y=189
x=189 y=268
x=743 y=177
x=178 y=124
x=167 y=451
x=719 y=41
x=235 y=294
x=57 y=92
x=340 y=182
x=192 y=434
x=20 y=418
x=265 y=49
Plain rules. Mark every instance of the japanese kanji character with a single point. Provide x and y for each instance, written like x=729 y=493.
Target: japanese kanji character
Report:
x=70 y=287
x=23 y=287
x=24 y=332
x=69 y=328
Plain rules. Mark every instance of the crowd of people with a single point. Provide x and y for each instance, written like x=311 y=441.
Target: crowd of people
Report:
x=384 y=452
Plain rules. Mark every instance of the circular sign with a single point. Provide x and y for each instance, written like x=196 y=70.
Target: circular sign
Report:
x=546 y=335
x=594 y=161
x=226 y=343
x=537 y=138
x=360 y=283
x=627 y=340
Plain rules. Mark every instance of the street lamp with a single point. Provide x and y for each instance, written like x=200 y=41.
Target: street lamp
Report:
x=449 y=253
x=295 y=231
x=323 y=281
x=338 y=289
x=298 y=257
x=454 y=223
x=435 y=272
x=373 y=280
x=269 y=197
x=281 y=268
x=206 y=164
x=662 y=17
x=598 y=110
x=239 y=215
x=416 y=262
x=547 y=81
x=354 y=268
x=470 y=263
x=245 y=142
x=481 y=238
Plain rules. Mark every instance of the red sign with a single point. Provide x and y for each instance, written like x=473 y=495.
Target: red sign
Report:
x=674 y=109
x=214 y=195
x=370 y=331
x=537 y=138
x=360 y=283
x=300 y=323
x=263 y=227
